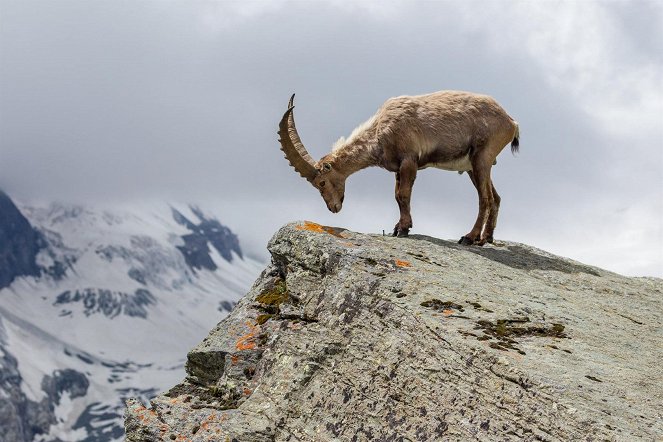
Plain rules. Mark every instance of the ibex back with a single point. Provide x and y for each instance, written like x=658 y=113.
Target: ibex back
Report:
x=450 y=130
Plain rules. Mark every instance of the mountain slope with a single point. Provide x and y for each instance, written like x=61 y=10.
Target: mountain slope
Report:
x=83 y=328
x=347 y=336
x=19 y=243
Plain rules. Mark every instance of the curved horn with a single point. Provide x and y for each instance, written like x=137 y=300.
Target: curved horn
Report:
x=292 y=146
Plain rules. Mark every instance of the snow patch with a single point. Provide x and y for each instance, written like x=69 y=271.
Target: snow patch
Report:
x=66 y=412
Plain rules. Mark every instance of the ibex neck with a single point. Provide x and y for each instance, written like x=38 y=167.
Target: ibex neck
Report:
x=355 y=156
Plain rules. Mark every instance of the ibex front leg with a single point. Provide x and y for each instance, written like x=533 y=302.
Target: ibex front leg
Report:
x=405 y=177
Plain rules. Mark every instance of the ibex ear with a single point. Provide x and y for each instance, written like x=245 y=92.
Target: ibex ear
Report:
x=326 y=167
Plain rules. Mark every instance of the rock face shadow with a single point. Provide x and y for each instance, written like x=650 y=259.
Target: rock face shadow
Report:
x=514 y=256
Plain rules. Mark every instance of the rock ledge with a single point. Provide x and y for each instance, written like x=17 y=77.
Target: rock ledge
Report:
x=347 y=336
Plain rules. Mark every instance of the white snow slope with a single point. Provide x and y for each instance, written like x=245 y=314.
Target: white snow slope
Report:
x=124 y=314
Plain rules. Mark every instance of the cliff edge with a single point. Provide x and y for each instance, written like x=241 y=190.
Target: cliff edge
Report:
x=347 y=336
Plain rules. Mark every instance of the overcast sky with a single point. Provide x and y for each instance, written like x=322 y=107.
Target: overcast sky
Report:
x=118 y=102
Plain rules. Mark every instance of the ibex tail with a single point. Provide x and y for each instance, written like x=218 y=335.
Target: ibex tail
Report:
x=516 y=140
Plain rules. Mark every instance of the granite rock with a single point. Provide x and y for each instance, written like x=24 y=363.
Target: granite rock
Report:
x=347 y=336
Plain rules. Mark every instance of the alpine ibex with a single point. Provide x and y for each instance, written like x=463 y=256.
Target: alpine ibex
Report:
x=448 y=130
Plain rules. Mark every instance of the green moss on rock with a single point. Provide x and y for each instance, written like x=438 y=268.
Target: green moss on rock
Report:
x=275 y=296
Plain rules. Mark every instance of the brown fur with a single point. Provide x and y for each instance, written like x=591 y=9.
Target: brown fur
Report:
x=451 y=130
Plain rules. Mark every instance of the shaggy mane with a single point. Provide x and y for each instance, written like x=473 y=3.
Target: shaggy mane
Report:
x=354 y=135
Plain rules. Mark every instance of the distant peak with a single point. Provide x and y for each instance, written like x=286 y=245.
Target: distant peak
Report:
x=207 y=231
x=19 y=243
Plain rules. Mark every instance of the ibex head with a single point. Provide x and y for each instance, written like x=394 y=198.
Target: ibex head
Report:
x=322 y=174
x=331 y=185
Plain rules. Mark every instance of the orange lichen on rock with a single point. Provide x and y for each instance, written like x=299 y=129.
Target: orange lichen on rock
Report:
x=400 y=263
x=234 y=359
x=209 y=425
x=248 y=341
x=447 y=312
x=144 y=414
x=205 y=423
x=164 y=428
x=315 y=227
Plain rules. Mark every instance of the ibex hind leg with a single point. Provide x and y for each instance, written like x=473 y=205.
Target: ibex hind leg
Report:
x=480 y=176
x=497 y=146
x=492 y=217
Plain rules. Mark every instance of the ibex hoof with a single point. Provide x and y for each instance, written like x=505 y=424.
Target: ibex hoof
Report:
x=401 y=233
x=465 y=241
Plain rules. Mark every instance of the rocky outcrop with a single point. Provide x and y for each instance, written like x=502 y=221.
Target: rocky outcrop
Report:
x=19 y=243
x=359 y=337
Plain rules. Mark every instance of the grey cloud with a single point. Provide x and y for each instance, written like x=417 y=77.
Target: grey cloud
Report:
x=642 y=24
x=116 y=101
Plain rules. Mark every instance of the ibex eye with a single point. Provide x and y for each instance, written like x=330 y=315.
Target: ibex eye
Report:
x=322 y=184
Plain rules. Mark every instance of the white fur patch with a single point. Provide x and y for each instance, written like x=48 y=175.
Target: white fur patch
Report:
x=355 y=133
x=462 y=164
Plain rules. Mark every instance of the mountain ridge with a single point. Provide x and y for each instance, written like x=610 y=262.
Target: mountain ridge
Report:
x=69 y=352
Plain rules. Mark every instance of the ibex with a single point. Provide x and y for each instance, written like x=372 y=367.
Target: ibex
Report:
x=450 y=130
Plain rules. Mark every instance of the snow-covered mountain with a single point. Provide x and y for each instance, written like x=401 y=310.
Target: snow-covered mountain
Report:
x=100 y=305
